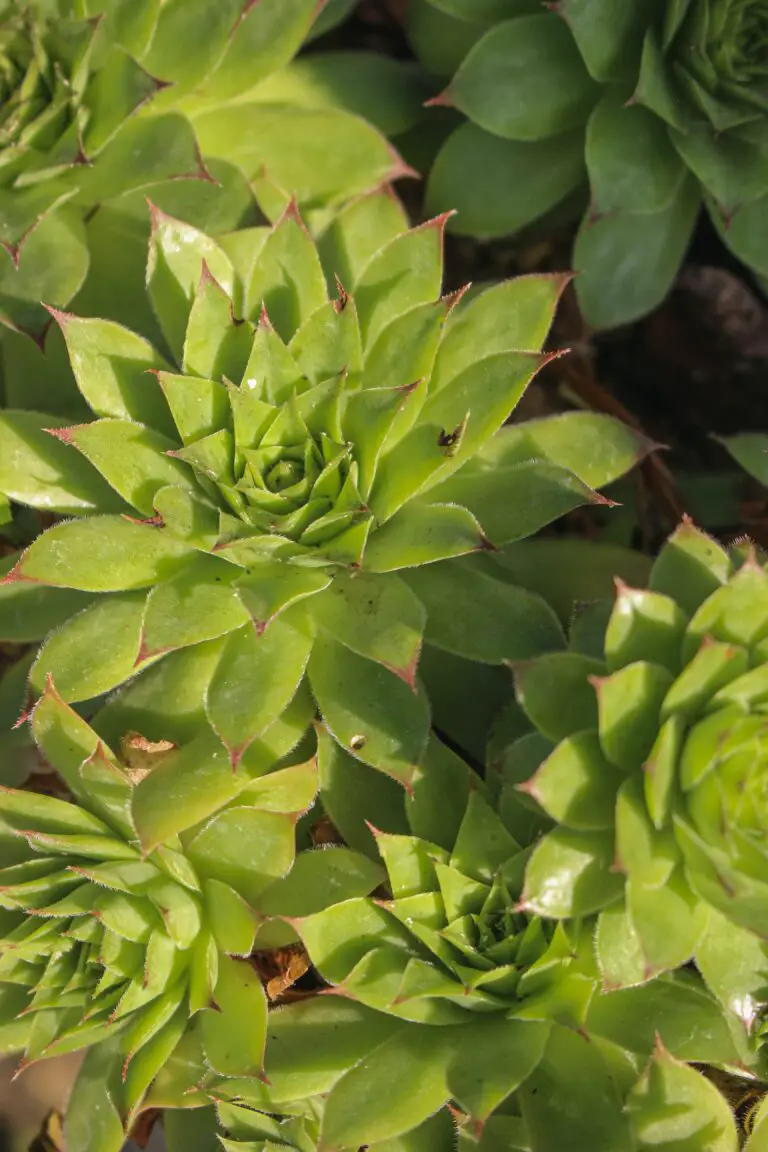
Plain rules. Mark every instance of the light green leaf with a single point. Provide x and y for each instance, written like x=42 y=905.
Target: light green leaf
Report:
x=174 y=268
x=77 y=658
x=39 y=471
x=421 y=533
x=132 y=459
x=101 y=554
x=484 y=619
x=198 y=605
x=379 y=618
x=216 y=342
x=406 y=272
x=319 y=878
x=674 y=1104
x=256 y=679
x=750 y=450
x=234 y=1034
x=287 y=277
x=244 y=848
x=576 y=785
x=352 y=792
x=266 y=36
x=363 y=226
x=113 y=369
x=292 y=145
x=369 y=710
x=569 y=874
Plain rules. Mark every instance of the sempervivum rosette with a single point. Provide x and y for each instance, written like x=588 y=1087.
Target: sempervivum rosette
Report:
x=109 y=948
x=273 y=477
x=651 y=743
x=647 y=111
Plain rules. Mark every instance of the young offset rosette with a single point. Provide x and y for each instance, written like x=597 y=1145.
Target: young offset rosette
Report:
x=652 y=110
x=270 y=480
x=651 y=736
x=111 y=948
x=479 y=1017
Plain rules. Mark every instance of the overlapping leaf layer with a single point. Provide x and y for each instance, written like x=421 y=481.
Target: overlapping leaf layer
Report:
x=658 y=108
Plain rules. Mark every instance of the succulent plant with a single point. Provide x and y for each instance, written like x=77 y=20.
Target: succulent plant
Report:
x=107 y=947
x=103 y=99
x=654 y=111
x=274 y=477
x=644 y=748
x=450 y=1010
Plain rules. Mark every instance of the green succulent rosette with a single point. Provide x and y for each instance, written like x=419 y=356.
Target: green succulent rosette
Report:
x=647 y=742
x=648 y=113
x=119 y=951
x=261 y=491
x=451 y=1015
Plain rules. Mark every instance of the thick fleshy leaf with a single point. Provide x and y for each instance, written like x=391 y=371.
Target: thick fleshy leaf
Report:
x=216 y=342
x=556 y=694
x=102 y=554
x=244 y=848
x=452 y=427
x=292 y=145
x=132 y=458
x=198 y=605
x=369 y=710
x=363 y=226
x=678 y=1008
x=256 y=679
x=353 y=793
x=576 y=785
x=573 y=1096
x=608 y=39
x=38 y=471
x=690 y=567
x=512 y=316
x=265 y=37
x=514 y=502
x=645 y=627
x=422 y=533
x=76 y=658
x=319 y=878
x=633 y=165
x=598 y=449
x=569 y=874
x=404 y=273
x=387 y=93
x=93 y=1121
x=750 y=450
x=524 y=80
x=502 y=203
x=377 y=618
x=675 y=1104
x=627 y=261
x=174 y=268
x=476 y=616
x=234 y=1032
x=287 y=278
x=112 y=367
x=629 y=703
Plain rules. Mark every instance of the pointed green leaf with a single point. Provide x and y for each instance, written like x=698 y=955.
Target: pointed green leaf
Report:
x=37 y=470
x=287 y=278
x=174 y=267
x=234 y=1034
x=474 y=615
x=404 y=273
x=556 y=693
x=256 y=679
x=76 y=658
x=576 y=785
x=374 y=617
x=113 y=369
x=569 y=874
x=101 y=554
x=422 y=533
x=244 y=848
x=319 y=878
x=675 y=1104
x=370 y=711
x=132 y=459
x=216 y=343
